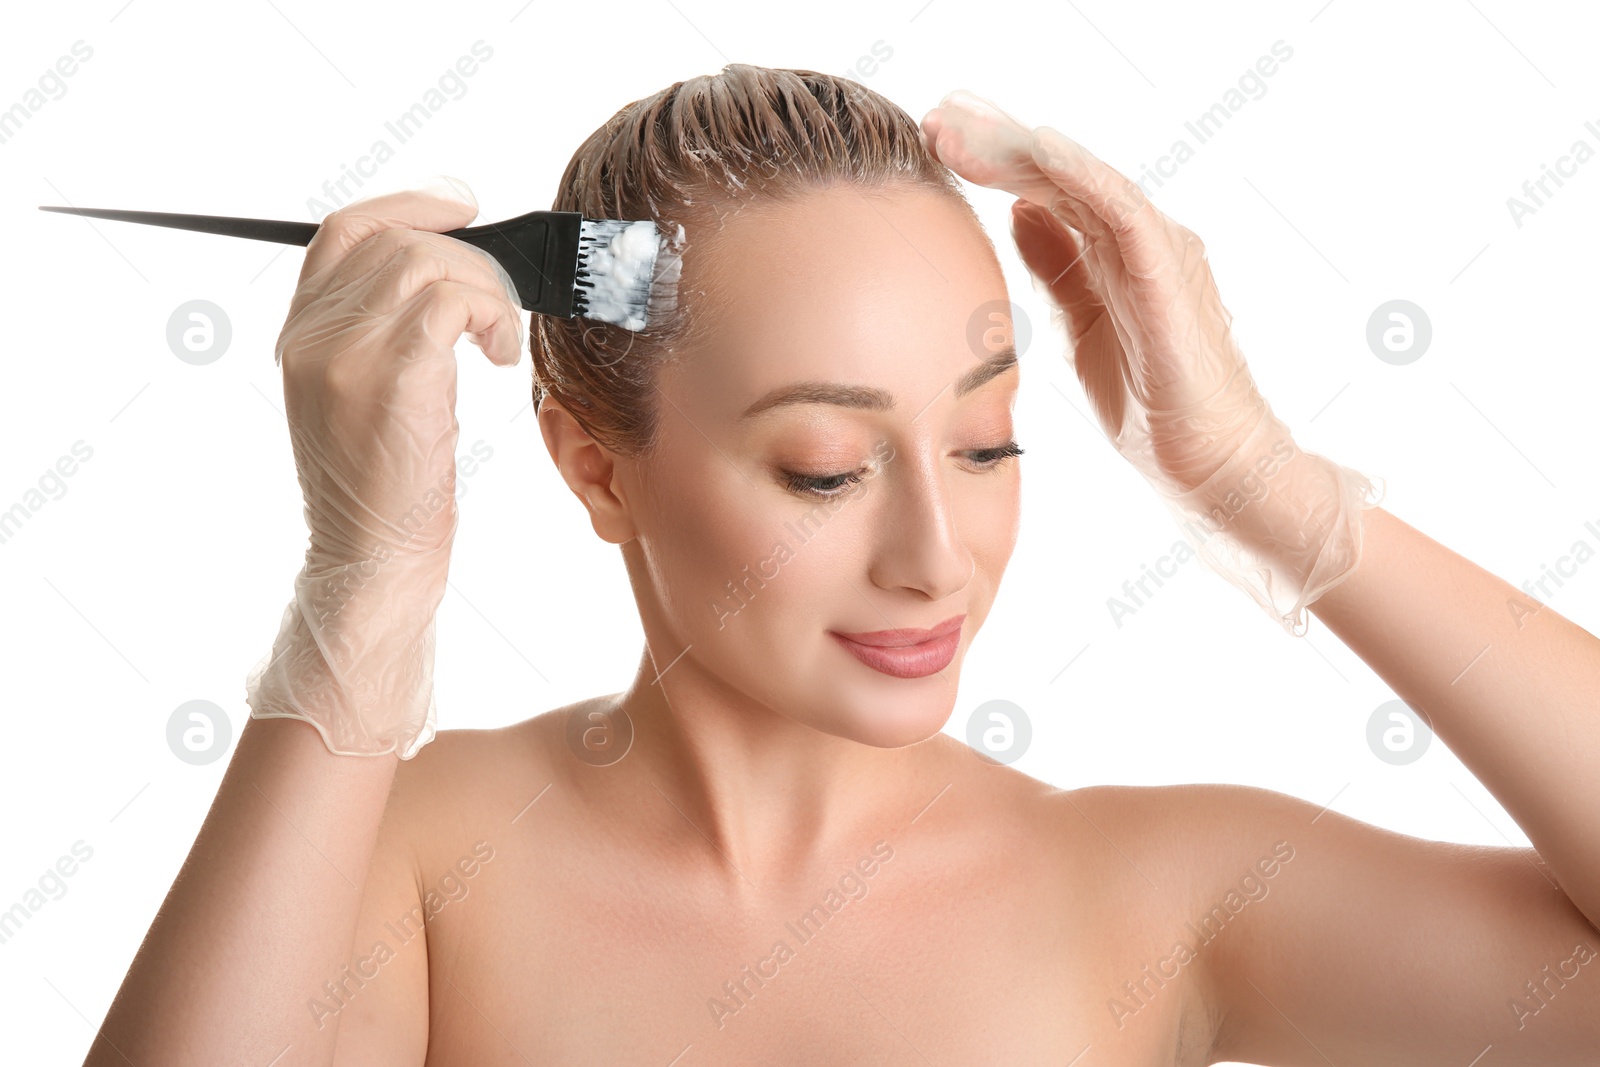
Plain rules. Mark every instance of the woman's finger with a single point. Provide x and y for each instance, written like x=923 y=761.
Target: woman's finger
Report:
x=1057 y=259
x=988 y=147
x=985 y=146
x=394 y=264
x=439 y=205
x=447 y=308
x=1108 y=198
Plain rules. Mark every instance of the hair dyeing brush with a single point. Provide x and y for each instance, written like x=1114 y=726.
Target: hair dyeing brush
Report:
x=562 y=264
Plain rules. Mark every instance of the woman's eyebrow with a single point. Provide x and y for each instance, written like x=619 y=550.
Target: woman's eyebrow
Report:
x=871 y=398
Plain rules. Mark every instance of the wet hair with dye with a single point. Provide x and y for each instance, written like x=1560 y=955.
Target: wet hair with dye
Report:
x=685 y=156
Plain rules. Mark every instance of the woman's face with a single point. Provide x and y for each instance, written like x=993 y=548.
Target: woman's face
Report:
x=832 y=460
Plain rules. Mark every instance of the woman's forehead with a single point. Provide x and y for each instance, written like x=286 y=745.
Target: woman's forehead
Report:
x=843 y=283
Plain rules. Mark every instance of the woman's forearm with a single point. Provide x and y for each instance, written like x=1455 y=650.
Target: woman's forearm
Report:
x=1512 y=687
x=262 y=913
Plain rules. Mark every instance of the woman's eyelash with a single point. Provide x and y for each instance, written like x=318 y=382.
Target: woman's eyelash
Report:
x=995 y=455
x=826 y=485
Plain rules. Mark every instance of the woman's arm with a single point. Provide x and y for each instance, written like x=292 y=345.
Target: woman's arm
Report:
x=1318 y=939
x=267 y=905
x=262 y=913
x=1512 y=687
x=1375 y=947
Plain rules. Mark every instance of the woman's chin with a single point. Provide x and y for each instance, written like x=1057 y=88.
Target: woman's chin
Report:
x=888 y=723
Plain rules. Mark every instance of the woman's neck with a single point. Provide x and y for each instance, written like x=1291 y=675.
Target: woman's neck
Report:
x=771 y=797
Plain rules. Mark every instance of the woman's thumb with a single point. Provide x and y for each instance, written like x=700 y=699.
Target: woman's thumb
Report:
x=443 y=185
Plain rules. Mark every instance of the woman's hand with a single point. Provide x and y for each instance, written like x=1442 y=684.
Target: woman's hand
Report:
x=369 y=371
x=1150 y=337
x=369 y=383
x=1152 y=346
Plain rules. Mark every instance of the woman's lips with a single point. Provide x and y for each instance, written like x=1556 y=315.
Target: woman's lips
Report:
x=905 y=653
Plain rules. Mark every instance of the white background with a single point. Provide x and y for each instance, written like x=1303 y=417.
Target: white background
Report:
x=1376 y=165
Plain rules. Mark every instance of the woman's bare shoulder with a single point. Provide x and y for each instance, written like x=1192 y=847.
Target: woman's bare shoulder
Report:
x=1178 y=845
x=1137 y=836
x=1171 y=811
x=469 y=776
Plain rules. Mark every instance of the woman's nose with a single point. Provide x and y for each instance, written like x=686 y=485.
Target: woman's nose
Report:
x=918 y=544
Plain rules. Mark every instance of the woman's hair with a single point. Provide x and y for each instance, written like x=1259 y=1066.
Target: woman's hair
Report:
x=682 y=156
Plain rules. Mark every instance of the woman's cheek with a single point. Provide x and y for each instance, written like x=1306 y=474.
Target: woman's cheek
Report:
x=785 y=566
x=993 y=523
x=725 y=551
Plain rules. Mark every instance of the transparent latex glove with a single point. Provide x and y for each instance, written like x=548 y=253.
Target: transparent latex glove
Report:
x=1152 y=346
x=369 y=387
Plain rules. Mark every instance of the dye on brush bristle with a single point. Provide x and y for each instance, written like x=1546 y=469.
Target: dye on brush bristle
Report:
x=629 y=272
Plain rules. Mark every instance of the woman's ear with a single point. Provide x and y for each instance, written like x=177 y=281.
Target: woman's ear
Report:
x=589 y=469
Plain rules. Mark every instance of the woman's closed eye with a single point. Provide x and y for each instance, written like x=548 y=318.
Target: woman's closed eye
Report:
x=829 y=485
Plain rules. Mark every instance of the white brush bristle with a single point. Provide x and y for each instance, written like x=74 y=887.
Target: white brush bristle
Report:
x=627 y=274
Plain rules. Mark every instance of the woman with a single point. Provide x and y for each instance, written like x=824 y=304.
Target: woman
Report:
x=765 y=850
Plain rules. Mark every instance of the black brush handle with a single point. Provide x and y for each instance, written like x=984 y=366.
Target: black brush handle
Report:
x=538 y=250
x=276 y=230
